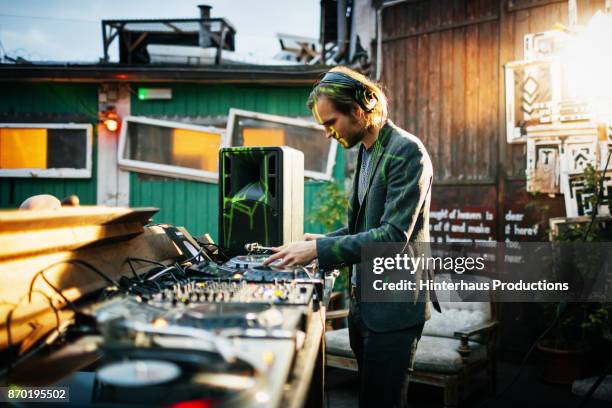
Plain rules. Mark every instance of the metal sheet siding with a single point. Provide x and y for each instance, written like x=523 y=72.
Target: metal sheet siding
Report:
x=194 y=204
x=46 y=102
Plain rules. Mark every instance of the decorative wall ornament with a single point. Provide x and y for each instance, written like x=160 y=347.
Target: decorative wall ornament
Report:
x=577 y=201
x=543 y=165
x=531 y=86
x=554 y=151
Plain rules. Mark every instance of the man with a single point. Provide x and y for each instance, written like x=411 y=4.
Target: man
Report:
x=389 y=203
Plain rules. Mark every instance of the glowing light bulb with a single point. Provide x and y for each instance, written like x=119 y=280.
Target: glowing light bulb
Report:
x=111 y=125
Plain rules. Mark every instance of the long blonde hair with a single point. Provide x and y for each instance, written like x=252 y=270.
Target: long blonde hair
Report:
x=344 y=96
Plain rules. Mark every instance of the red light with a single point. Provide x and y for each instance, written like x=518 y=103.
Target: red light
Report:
x=110 y=120
x=111 y=125
x=122 y=76
x=192 y=404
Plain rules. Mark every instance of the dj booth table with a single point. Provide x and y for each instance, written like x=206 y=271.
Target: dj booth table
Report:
x=55 y=330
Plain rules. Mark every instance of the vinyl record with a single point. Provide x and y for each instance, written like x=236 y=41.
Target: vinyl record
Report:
x=138 y=373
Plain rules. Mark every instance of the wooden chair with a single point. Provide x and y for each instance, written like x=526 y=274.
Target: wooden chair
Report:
x=456 y=346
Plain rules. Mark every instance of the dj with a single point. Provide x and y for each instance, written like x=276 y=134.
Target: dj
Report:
x=389 y=203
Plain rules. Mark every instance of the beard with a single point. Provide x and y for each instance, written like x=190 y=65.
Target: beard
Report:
x=351 y=138
x=355 y=138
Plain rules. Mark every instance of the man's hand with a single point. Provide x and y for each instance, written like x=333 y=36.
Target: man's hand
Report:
x=311 y=237
x=296 y=253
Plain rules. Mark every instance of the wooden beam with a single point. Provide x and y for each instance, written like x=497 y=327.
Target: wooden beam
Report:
x=513 y=6
x=460 y=24
x=74 y=281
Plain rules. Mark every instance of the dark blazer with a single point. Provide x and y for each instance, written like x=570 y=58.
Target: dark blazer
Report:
x=395 y=209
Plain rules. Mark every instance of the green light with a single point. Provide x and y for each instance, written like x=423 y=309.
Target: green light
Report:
x=145 y=94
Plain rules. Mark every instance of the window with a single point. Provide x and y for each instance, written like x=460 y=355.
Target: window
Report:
x=170 y=149
x=45 y=150
x=257 y=129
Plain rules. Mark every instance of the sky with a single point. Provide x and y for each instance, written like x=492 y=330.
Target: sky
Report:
x=70 y=30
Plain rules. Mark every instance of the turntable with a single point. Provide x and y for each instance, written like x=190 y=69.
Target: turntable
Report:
x=162 y=376
x=136 y=376
x=251 y=261
x=251 y=268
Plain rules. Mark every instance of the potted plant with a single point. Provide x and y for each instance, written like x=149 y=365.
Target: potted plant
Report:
x=577 y=326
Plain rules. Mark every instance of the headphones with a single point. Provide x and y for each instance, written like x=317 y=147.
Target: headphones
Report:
x=364 y=96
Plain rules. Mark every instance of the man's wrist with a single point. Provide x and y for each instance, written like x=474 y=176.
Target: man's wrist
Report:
x=314 y=247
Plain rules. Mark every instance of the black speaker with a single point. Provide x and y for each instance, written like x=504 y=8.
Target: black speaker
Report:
x=261 y=197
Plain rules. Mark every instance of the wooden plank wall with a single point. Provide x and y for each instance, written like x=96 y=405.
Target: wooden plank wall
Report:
x=443 y=69
x=443 y=66
x=443 y=84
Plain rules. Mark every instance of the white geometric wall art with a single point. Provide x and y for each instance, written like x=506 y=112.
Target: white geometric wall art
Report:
x=530 y=87
x=579 y=151
x=543 y=165
x=576 y=144
x=545 y=44
x=577 y=200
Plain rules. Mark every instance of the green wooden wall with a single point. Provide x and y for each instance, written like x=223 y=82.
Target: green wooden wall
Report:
x=48 y=102
x=182 y=202
x=194 y=204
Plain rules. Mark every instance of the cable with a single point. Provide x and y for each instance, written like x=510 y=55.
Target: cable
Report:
x=560 y=309
x=596 y=384
x=8 y=330
x=215 y=246
x=74 y=262
x=147 y=261
x=73 y=20
x=129 y=261
x=59 y=292
x=199 y=254
x=96 y=270
x=163 y=271
x=9 y=316
x=307 y=273
x=599 y=195
x=77 y=262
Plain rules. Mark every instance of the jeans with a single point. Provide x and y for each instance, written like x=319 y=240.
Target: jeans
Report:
x=384 y=361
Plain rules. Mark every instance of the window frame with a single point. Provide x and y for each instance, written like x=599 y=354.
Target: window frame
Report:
x=166 y=170
x=331 y=159
x=58 y=172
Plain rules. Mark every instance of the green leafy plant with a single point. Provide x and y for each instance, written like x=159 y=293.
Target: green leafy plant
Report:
x=581 y=321
x=592 y=182
x=331 y=210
